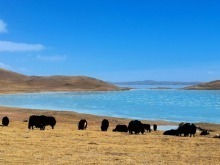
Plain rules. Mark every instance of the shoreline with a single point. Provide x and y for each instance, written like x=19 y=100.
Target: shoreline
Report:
x=23 y=114
x=164 y=122
x=2 y=92
x=16 y=112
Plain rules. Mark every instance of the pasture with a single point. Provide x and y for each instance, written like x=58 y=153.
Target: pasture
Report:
x=66 y=145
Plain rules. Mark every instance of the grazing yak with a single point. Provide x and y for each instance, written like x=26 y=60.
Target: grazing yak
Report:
x=51 y=121
x=120 y=128
x=204 y=132
x=5 y=121
x=105 y=125
x=155 y=127
x=135 y=126
x=216 y=136
x=187 y=129
x=172 y=132
x=41 y=121
x=147 y=127
x=36 y=121
x=82 y=124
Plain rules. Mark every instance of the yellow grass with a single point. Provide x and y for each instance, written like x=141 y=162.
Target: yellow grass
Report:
x=66 y=145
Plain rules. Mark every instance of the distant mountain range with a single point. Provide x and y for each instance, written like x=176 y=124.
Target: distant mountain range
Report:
x=152 y=82
x=11 y=82
x=213 y=85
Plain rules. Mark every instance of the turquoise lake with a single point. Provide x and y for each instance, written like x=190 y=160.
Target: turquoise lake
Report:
x=170 y=105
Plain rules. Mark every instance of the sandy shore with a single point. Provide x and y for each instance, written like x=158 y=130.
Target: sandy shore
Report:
x=21 y=114
x=66 y=145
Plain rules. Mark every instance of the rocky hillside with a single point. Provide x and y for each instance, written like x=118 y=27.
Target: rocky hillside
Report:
x=11 y=82
x=213 y=85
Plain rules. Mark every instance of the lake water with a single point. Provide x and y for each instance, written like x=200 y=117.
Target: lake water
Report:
x=154 y=86
x=169 y=105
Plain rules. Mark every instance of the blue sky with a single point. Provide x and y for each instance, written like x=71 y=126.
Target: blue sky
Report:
x=117 y=40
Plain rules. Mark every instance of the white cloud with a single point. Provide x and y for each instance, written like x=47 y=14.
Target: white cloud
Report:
x=55 y=58
x=7 y=46
x=3 y=26
x=5 y=66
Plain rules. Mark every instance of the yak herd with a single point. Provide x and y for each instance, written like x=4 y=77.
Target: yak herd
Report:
x=186 y=129
x=134 y=126
x=41 y=121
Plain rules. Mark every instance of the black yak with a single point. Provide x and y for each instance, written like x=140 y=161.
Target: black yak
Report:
x=41 y=121
x=155 y=127
x=135 y=126
x=172 y=132
x=216 y=136
x=36 y=121
x=105 y=125
x=5 y=121
x=82 y=124
x=50 y=120
x=187 y=129
x=147 y=127
x=120 y=128
x=204 y=132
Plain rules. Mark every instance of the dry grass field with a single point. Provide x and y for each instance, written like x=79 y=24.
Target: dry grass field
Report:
x=66 y=145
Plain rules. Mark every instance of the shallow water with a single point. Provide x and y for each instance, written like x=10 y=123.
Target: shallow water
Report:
x=170 y=105
x=154 y=86
x=166 y=127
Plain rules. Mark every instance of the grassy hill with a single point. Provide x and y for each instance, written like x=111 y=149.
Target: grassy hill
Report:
x=213 y=85
x=12 y=82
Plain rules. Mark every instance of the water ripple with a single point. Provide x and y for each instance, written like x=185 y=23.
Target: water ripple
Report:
x=172 y=105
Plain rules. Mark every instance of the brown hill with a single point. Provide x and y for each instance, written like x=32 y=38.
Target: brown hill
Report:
x=11 y=82
x=213 y=85
x=9 y=75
